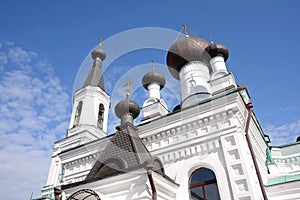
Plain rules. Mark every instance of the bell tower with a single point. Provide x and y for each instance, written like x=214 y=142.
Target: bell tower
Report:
x=91 y=102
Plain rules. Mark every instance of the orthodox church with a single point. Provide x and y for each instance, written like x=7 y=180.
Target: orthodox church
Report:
x=211 y=146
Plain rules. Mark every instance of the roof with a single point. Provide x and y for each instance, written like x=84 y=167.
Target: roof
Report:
x=287 y=145
x=153 y=77
x=43 y=198
x=95 y=77
x=124 y=152
x=186 y=50
x=283 y=179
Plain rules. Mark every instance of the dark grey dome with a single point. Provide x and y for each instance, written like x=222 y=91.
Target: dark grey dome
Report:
x=215 y=49
x=127 y=107
x=153 y=77
x=186 y=50
x=98 y=53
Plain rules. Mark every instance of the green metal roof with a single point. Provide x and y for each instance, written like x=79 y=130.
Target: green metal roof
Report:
x=283 y=179
x=71 y=148
x=287 y=145
x=43 y=198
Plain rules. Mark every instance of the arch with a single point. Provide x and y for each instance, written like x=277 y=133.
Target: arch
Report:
x=188 y=166
x=111 y=166
x=203 y=185
x=115 y=162
x=100 y=115
x=84 y=194
x=77 y=114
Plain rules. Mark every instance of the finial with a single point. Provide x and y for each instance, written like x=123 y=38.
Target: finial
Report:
x=127 y=85
x=186 y=31
x=210 y=38
x=98 y=52
x=100 y=42
x=152 y=64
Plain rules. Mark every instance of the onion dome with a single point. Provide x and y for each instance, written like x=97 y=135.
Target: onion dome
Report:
x=215 y=49
x=153 y=77
x=98 y=53
x=127 y=107
x=186 y=50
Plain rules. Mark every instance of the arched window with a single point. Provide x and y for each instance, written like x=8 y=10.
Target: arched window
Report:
x=100 y=116
x=84 y=194
x=77 y=113
x=203 y=185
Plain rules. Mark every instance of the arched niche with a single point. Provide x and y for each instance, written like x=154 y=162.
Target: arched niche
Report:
x=84 y=194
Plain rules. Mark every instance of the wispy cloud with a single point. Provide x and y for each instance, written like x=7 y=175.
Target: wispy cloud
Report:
x=34 y=109
x=283 y=134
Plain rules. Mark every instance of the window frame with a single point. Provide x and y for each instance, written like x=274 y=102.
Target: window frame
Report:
x=202 y=184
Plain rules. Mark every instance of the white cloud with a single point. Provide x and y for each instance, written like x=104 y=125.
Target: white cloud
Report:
x=3 y=59
x=20 y=56
x=283 y=134
x=34 y=110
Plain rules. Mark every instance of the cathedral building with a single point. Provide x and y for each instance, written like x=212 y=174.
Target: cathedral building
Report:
x=211 y=146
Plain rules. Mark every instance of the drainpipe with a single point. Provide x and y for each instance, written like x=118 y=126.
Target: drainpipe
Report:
x=249 y=107
x=149 y=167
x=154 y=195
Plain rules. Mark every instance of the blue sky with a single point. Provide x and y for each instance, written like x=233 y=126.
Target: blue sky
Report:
x=43 y=44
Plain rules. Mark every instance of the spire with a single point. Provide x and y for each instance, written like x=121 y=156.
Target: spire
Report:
x=92 y=111
x=95 y=77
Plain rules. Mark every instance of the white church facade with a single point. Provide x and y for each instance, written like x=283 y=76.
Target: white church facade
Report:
x=211 y=146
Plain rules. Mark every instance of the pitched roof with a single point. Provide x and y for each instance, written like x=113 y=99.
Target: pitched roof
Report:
x=95 y=77
x=125 y=152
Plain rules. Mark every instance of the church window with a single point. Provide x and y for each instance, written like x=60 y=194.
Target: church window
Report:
x=203 y=185
x=100 y=116
x=78 y=113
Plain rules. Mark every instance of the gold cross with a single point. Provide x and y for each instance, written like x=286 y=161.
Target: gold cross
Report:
x=100 y=42
x=186 y=31
x=152 y=64
x=127 y=85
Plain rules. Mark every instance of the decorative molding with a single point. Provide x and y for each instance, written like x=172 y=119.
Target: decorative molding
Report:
x=203 y=125
x=235 y=166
